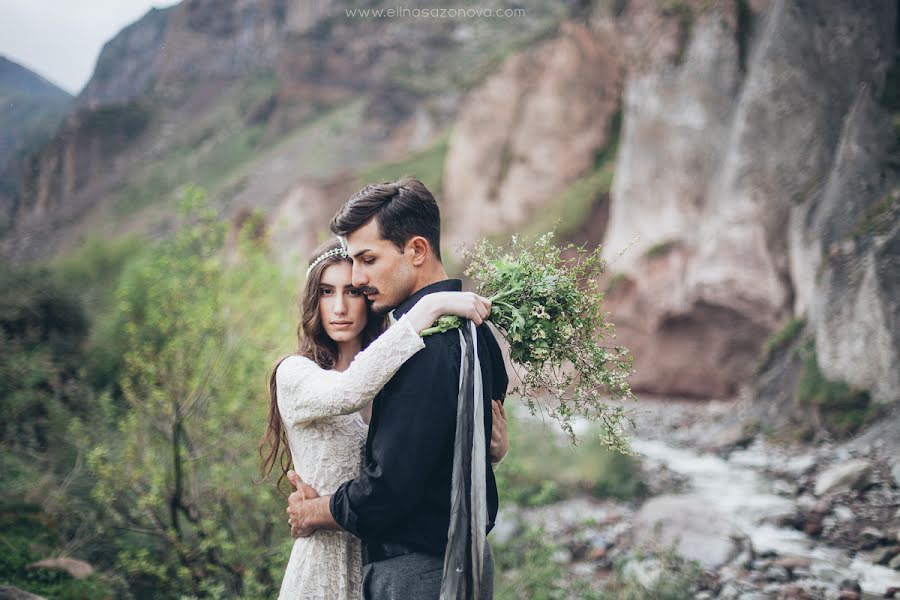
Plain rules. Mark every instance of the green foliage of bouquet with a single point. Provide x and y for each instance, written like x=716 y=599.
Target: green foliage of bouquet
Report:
x=547 y=305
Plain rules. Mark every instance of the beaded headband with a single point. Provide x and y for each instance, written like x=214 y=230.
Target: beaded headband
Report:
x=341 y=252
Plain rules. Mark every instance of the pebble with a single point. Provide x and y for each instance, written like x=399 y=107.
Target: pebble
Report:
x=800 y=465
x=883 y=556
x=844 y=514
x=870 y=537
x=793 y=562
x=806 y=502
x=779 y=574
x=561 y=556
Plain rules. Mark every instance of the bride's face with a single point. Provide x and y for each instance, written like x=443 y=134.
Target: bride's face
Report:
x=342 y=308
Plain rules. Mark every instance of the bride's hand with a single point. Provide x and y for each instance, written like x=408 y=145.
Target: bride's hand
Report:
x=467 y=305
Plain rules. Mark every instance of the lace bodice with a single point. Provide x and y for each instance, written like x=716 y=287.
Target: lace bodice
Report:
x=326 y=435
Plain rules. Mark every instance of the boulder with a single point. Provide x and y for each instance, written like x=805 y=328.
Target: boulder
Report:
x=74 y=567
x=8 y=592
x=850 y=475
x=695 y=530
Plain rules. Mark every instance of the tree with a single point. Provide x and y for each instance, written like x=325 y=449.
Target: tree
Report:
x=178 y=478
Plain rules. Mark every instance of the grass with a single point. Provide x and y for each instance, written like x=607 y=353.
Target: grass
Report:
x=682 y=11
x=525 y=569
x=461 y=64
x=542 y=468
x=675 y=579
x=205 y=167
x=660 y=248
x=27 y=536
x=880 y=217
x=569 y=212
x=841 y=409
x=572 y=208
x=427 y=166
x=780 y=339
x=615 y=281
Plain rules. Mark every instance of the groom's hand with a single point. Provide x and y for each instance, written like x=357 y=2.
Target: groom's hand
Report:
x=296 y=505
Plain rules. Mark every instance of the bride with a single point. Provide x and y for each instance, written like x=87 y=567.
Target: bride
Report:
x=320 y=404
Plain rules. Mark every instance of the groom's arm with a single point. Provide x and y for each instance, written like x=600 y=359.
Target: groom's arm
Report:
x=308 y=516
x=414 y=435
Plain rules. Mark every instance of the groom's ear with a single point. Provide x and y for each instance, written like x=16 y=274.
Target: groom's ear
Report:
x=420 y=249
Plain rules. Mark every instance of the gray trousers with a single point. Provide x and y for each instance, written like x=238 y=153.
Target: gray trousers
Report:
x=416 y=576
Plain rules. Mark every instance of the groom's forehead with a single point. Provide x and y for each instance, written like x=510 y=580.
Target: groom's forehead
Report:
x=367 y=237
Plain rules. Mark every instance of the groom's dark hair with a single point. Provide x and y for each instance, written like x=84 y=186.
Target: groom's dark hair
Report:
x=403 y=209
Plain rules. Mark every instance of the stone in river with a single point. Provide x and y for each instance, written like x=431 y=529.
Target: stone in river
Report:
x=849 y=475
x=700 y=534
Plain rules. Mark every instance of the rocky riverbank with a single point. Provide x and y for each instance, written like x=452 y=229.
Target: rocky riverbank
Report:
x=761 y=518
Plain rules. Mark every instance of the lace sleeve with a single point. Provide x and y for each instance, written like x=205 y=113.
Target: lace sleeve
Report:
x=306 y=391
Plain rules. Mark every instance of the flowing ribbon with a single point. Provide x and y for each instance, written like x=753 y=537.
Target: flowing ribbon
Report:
x=464 y=557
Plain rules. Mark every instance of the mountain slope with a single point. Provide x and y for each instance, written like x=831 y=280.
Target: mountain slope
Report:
x=30 y=110
x=222 y=92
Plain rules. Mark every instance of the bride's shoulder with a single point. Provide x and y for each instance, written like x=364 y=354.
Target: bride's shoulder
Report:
x=295 y=363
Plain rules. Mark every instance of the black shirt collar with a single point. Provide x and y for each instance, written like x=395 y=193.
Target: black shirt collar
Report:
x=446 y=285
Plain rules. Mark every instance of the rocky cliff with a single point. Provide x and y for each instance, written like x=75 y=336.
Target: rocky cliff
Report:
x=743 y=152
x=249 y=98
x=724 y=153
x=753 y=161
x=30 y=110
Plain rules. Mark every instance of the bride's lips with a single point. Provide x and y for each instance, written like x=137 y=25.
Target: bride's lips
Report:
x=342 y=323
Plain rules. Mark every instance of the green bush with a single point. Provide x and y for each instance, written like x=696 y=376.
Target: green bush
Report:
x=677 y=578
x=839 y=408
x=542 y=468
x=661 y=248
x=524 y=569
x=780 y=339
x=26 y=536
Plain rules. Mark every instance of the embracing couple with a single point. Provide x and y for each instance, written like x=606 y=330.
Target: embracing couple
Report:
x=395 y=435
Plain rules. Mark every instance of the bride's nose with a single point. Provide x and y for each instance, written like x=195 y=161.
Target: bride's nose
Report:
x=340 y=305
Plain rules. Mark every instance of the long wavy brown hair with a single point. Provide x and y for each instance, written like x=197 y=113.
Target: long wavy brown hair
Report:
x=314 y=344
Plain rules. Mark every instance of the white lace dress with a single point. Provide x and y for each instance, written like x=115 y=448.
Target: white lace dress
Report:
x=327 y=436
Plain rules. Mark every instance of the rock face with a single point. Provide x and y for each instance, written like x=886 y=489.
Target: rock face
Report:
x=223 y=82
x=747 y=144
x=848 y=255
x=30 y=111
x=528 y=132
x=756 y=171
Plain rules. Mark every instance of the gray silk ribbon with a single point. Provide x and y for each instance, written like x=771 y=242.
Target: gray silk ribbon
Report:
x=464 y=558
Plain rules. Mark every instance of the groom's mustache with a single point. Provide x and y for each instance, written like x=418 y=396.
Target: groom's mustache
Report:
x=367 y=290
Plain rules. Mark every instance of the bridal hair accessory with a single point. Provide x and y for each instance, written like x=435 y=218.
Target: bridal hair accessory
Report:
x=341 y=252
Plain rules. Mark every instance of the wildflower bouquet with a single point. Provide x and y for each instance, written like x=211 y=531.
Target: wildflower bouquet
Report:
x=549 y=310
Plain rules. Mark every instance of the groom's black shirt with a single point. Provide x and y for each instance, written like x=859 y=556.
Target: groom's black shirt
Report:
x=402 y=495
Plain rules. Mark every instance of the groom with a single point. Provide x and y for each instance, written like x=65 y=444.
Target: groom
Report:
x=399 y=505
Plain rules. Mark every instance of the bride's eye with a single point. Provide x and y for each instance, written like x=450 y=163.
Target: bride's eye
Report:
x=354 y=292
x=325 y=291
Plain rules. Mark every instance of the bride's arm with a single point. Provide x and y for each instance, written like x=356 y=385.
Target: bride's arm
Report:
x=306 y=391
